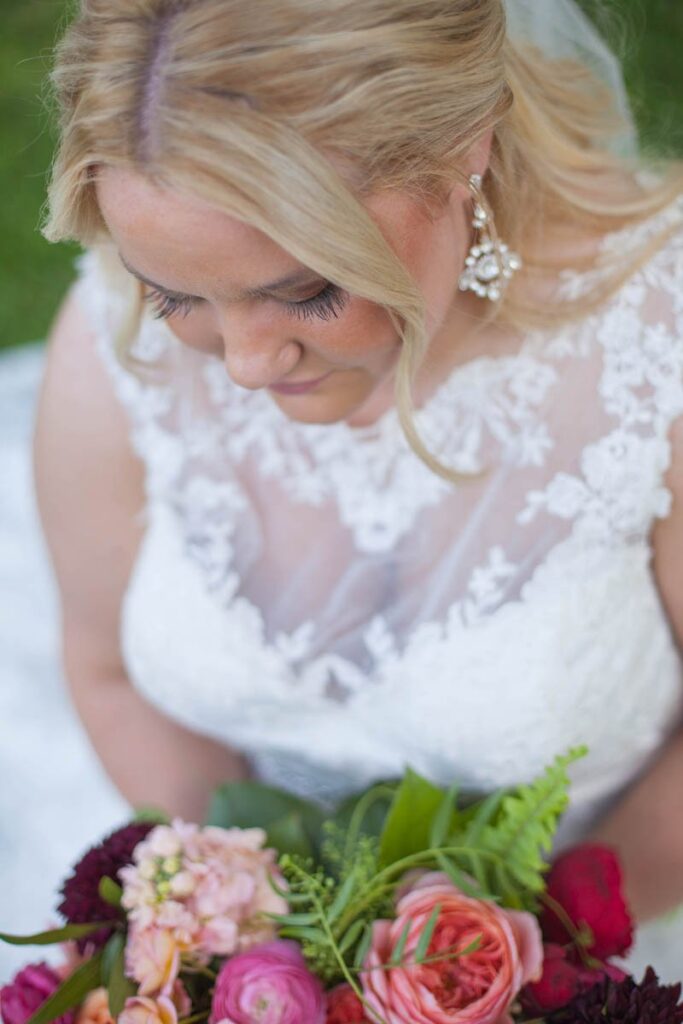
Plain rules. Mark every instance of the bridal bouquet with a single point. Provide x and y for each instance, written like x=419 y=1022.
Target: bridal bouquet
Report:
x=409 y=905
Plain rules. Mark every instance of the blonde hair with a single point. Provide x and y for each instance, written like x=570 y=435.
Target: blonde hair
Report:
x=236 y=102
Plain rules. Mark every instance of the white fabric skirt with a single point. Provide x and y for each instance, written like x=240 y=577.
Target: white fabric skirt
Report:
x=60 y=801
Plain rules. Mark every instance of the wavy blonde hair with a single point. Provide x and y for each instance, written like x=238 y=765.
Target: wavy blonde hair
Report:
x=240 y=103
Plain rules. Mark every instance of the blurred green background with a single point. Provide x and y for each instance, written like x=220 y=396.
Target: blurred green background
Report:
x=34 y=275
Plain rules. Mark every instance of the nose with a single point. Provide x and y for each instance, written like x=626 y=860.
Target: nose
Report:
x=258 y=358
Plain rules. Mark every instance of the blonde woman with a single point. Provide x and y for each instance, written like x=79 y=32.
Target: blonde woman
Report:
x=360 y=443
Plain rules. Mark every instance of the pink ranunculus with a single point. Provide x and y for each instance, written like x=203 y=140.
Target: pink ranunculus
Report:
x=153 y=959
x=270 y=984
x=476 y=988
x=28 y=990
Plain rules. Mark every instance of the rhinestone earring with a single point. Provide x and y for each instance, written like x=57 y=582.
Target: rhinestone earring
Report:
x=489 y=264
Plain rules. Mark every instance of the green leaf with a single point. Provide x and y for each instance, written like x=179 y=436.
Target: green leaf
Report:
x=295 y=919
x=69 y=931
x=351 y=935
x=119 y=986
x=445 y=818
x=251 y=804
x=71 y=992
x=288 y=835
x=397 y=951
x=341 y=900
x=426 y=936
x=472 y=947
x=109 y=954
x=316 y=935
x=458 y=877
x=370 y=806
x=409 y=821
x=152 y=814
x=110 y=891
x=483 y=813
x=363 y=947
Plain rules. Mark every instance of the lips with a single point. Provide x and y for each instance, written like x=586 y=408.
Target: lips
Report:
x=299 y=388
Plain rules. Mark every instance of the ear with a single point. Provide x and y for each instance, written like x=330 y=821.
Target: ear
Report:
x=479 y=156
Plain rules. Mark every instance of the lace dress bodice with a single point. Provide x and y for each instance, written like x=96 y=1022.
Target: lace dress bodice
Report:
x=316 y=597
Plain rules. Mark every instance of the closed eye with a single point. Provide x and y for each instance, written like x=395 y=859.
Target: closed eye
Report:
x=328 y=303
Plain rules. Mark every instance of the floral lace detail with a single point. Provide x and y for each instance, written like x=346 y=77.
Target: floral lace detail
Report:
x=379 y=485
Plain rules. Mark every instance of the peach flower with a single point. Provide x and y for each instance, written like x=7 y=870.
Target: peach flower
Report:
x=143 y=1010
x=95 y=1008
x=153 y=959
x=476 y=988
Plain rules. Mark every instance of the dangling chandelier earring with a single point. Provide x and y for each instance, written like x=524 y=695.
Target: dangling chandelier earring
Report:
x=489 y=264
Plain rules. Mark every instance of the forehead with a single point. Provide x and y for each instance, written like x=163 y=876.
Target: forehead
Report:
x=146 y=220
x=187 y=245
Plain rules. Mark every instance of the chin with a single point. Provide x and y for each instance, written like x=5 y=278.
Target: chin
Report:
x=316 y=409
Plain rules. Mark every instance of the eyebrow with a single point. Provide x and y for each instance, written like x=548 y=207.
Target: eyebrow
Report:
x=289 y=281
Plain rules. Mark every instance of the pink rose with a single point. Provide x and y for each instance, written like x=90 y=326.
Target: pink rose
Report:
x=270 y=984
x=476 y=988
x=29 y=989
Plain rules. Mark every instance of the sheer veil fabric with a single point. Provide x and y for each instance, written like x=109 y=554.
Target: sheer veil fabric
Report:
x=561 y=30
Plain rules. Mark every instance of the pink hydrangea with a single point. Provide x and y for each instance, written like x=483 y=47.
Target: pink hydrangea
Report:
x=208 y=888
x=270 y=984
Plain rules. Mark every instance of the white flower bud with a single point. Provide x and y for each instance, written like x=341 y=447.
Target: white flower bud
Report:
x=182 y=884
x=147 y=868
x=163 y=842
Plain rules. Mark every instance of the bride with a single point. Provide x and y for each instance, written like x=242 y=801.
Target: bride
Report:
x=360 y=441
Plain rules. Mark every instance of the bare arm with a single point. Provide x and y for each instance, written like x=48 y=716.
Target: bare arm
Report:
x=647 y=826
x=90 y=493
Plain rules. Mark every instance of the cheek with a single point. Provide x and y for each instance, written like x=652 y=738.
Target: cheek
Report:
x=362 y=335
x=198 y=330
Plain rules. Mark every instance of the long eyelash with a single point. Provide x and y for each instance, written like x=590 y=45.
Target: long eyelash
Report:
x=166 y=306
x=326 y=304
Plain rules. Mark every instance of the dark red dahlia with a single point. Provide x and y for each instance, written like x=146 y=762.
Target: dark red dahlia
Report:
x=624 y=1002
x=82 y=902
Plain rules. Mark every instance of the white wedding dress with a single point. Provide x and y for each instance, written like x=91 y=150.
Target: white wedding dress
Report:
x=316 y=598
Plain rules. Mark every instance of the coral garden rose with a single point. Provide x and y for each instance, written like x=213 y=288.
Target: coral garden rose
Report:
x=270 y=984
x=587 y=883
x=210 y=888
x=475 y=988
x=28 y=990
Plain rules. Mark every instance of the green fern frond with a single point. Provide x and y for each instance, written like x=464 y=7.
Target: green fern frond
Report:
x=526 y=821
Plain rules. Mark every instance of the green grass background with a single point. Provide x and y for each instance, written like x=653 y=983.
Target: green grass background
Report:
x=34 y=275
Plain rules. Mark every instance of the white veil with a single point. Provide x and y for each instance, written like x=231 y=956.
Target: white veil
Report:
x=561 y=30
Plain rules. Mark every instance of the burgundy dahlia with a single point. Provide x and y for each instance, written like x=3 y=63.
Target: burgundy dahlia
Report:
x=82 y=902
x=625 y=1002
